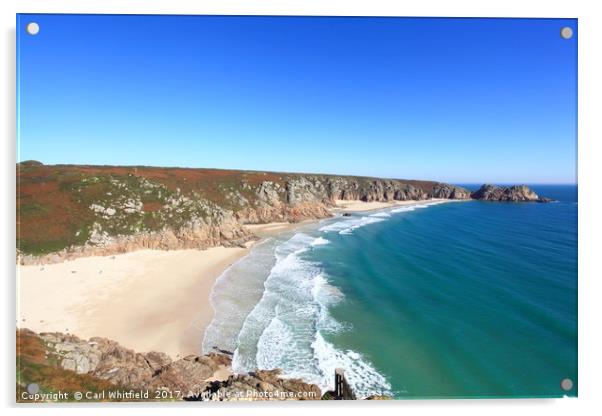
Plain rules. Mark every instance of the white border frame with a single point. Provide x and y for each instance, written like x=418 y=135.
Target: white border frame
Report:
x=590 y=272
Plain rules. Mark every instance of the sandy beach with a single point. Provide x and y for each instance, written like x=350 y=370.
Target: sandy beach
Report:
x=146 y=300
x=272 y=228
x=360 y=206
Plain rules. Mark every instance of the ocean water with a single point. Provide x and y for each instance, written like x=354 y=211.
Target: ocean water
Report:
x=458 y=299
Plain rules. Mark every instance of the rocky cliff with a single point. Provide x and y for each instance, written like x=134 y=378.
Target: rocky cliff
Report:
x=68 y=211
x=56 y=361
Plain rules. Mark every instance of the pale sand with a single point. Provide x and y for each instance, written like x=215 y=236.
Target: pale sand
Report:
x=360 y=206
x=273 y=228
x=146 y=300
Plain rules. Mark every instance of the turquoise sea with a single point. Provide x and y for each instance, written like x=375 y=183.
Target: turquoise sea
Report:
x=459 y=299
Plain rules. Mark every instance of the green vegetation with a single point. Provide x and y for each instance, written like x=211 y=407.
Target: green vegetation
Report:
x=62 y=207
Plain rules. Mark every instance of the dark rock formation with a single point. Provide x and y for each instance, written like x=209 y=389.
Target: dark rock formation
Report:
x=516 y=193
x=221 y=351
x=260 y=385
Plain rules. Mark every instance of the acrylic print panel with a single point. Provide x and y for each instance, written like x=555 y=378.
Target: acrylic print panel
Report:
x=223 y=208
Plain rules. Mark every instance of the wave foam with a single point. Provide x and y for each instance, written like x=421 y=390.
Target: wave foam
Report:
x=382 y=214
x=285 y=328
x=287 y=312
x=416 y=206
x=347 y=226
x=320 y=241
x=364 y=379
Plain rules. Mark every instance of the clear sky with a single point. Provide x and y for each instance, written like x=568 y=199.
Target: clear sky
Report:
x=455 y=100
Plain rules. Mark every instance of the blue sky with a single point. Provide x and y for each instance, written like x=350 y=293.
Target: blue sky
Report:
x=456 y=100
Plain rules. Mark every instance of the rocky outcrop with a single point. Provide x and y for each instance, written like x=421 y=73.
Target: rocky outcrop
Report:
x=196 y=235
x=194 y=377
x=284 y=212
x=260 y=385
x=446 y=191
x=329 y=189
x=325 y=190
x=107 y=360
x=516 y=193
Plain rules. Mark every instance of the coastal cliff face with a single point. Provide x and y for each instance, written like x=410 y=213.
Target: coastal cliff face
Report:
x=99 y=364
x=69 y=211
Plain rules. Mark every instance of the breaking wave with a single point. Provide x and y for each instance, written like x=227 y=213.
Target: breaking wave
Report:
x=347 y=226
x=382 y=214
x=408 y=209
x=286 y=328
x=364 y=379
x=283 y=320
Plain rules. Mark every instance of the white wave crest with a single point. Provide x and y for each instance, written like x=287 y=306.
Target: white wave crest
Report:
x=347 y=226
x=363 y=378
x=382 y=214
x=286 y=327
x=279 y=330
x=320 y=241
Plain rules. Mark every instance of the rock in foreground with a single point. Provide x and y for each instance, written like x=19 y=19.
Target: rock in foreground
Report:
x=103 y=368
x=261 y=385
x=107 y=360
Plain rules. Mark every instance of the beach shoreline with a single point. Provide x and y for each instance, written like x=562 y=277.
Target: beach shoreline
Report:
x=127 y=297
x=147 y=300
x=361 y=206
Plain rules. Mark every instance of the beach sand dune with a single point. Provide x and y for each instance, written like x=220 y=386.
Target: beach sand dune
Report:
x=147 y=300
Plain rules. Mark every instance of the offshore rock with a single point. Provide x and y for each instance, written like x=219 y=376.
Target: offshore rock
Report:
x=516 y=193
